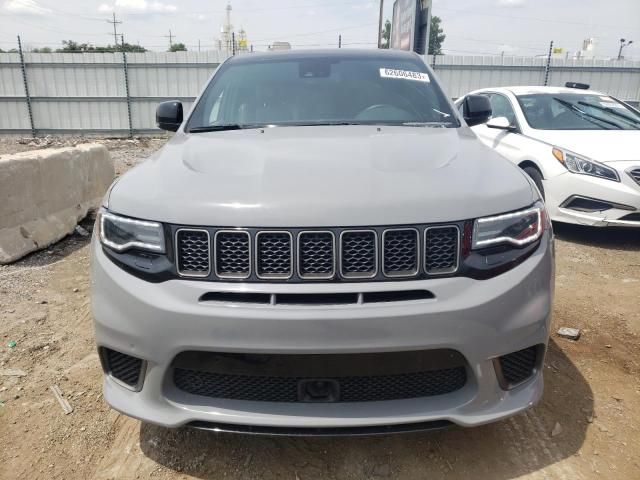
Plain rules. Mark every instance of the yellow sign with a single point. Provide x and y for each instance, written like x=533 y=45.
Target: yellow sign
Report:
x=557 y=50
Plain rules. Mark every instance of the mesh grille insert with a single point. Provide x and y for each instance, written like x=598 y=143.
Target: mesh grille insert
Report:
x=316 y=254
x=518 y=366
x=351 y=389
x=233 y=254
x=358 y=254
x=441 y=249
x=193 y=252
x=123 y=367
x=400 y=252
x=274 y=254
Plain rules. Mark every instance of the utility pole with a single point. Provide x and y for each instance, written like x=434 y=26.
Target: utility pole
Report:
x=339 y=41
x=115 y=29
x=198 y=45
x=233 y=43
x=380 y=24
x=170 y=37
x=623 y=43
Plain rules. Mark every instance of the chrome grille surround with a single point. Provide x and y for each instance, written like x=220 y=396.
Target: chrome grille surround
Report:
x=237 y=262
x=199 y=254
x=362 y=264
x=634 y=173
x=318 y=266
x=444 y=257
x=402 y=255
x=278 y=262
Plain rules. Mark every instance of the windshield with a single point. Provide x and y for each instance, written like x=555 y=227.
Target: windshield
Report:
x=575 y=111
x=321 y=90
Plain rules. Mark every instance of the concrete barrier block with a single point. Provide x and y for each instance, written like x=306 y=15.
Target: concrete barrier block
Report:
x=44 y=193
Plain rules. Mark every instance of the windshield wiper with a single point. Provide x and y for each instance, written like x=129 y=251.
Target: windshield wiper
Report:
x=322 y=124
x=612 y=112
x=586 y=116
x=427 y=124
x=222 y=128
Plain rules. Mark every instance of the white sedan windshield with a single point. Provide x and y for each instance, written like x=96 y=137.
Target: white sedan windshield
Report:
x=574 y=111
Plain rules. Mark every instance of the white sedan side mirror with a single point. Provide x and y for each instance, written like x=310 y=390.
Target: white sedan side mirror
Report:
x=501 y=123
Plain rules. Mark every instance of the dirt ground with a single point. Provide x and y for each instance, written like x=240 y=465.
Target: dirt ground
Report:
x=592 y=387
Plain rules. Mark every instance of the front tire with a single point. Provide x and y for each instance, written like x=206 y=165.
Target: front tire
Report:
x=536 y=176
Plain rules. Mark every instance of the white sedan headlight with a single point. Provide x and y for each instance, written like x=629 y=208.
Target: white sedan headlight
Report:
x=577 y=164
x=518 y=228
x=122 y=233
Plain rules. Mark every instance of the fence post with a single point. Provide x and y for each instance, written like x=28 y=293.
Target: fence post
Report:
x=126 y=87
x=26 y=88
x=433 y=62
x=547 y=68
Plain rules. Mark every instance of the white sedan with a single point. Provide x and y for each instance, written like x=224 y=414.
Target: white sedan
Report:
x=580 y=147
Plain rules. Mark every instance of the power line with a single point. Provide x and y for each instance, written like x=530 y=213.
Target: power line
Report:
x=42 y=27
x=535 y=19
x=339 y=29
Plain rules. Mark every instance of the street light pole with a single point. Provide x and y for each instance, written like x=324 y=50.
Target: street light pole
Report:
x=623 y=43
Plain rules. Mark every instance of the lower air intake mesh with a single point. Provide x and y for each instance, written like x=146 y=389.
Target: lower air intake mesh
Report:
x=351 y=389
x=518 y=366
x=123 y=367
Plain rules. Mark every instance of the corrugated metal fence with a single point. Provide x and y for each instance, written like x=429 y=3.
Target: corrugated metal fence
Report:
x=97 y=93
x=462 y=74
x=113 y=94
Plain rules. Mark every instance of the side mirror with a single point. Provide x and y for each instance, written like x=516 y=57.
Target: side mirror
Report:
x=169 y=115
x=476 y=109
x=501 y=123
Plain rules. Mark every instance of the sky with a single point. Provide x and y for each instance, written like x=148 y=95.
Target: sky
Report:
x=472 y=27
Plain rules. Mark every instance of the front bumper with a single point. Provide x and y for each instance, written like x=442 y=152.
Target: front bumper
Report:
x=480 y=319
x=625 y=193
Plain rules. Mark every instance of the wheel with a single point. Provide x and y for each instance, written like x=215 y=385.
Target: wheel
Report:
x=535 y=175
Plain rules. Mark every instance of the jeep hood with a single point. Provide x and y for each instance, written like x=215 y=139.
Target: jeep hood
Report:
x=321 y=176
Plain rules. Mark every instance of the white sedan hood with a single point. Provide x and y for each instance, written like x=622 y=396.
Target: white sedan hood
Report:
x=601 y=145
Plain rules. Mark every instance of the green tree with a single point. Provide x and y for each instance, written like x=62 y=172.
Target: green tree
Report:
x=75 y=47
x=178 y=47
x=42 y=50
x=129 y=47
x=386 y=34
x=436 y=36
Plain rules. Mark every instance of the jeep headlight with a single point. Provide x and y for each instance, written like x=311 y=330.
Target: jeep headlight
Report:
x=578 y=164
x=517 y=228
x=122 y=233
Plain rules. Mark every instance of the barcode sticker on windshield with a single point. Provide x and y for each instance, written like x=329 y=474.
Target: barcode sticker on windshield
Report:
x=404 y=74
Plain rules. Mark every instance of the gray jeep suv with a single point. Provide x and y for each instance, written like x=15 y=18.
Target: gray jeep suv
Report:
x=323 y=247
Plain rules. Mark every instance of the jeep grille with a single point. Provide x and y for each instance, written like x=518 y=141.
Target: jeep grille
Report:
x=337 y=254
